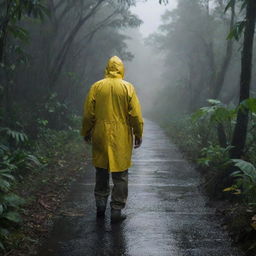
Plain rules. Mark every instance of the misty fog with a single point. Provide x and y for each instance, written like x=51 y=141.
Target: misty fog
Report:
x=192 y=63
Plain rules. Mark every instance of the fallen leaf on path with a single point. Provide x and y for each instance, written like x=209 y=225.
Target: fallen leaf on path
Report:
x=72 y=214
x=253 y=224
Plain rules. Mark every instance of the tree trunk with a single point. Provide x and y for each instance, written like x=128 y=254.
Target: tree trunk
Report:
x=4 y=73
x=2 y=44
x=240 y=132
x=4 y=31
x=225 y=64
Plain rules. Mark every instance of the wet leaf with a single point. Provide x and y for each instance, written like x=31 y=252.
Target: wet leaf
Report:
x=1 y=209
x=4 y=232
x=71 y=213
x=2 y=246
x=237 y=192
x=253 y=225
x=229 y=189
x=13 y=216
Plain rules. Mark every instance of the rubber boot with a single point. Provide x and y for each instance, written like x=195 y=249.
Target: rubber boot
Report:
x=101 y=208
x=117 y=216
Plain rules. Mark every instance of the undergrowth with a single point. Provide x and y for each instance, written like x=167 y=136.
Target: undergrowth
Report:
x=205 y=137
x=21 y=157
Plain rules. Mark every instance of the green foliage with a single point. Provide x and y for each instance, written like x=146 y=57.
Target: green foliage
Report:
x=13 y=12
x=216 y=113
x=190 y=136
x=250 y=148
x=199 y=135
x=16 y=161
x=37 y=114
x=245 y=179
x=219 y=119
x=249 y=104
x=53 y=105
x=200 y=131
x=17 y=9
x=42 y=122
x=54 y=114
x=12 y=161
x=215 y=157
x=9 y=202
x=19 y=33
x=237 y=31
x=54 y=143
x=18 y=137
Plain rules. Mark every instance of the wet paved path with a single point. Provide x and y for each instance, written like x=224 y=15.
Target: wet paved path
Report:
x=167 y=215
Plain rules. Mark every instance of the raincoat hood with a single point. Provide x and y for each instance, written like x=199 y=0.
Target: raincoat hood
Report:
x=115 y=68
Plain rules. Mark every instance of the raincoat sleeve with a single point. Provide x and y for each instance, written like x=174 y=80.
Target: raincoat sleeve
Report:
x=135 y=115
x=88 y=114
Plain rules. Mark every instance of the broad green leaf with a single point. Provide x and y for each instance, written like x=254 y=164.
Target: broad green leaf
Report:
x=237 y=30
x=34 y=159
x=19 y=33
x=247 y=168
x=13 y=216
x=1 y=209
x=198 y=114
x=250 y=104
x=8 y=176
x=2 y=246
x=4 y=232
x=4 y=171
x=13 y=200
x=4 y=185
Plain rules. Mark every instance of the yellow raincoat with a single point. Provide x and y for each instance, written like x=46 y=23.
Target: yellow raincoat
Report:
x=112 y=115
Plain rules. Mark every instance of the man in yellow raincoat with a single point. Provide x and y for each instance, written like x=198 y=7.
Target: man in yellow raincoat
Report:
x=112 y=120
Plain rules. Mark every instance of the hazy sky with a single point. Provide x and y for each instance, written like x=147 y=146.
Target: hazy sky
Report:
x=150 y=12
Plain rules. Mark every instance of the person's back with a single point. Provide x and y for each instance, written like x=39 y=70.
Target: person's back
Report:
x=112 y=100
x=112 y=115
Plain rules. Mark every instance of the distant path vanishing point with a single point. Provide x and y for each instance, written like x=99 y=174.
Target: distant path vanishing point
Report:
x=167 y=214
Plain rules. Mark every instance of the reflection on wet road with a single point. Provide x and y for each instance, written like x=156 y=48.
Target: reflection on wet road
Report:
x=167 y=215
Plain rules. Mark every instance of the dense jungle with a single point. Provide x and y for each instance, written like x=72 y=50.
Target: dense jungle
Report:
x=195 y=77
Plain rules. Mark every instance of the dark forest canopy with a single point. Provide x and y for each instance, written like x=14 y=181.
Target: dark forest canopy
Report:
x=48 y=45
x=51 y=51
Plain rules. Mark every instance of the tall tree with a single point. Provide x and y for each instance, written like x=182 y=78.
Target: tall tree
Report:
x=68 y=19
x=240 y=132
x=11 y=12
x=220 y=77
x=193 y=36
